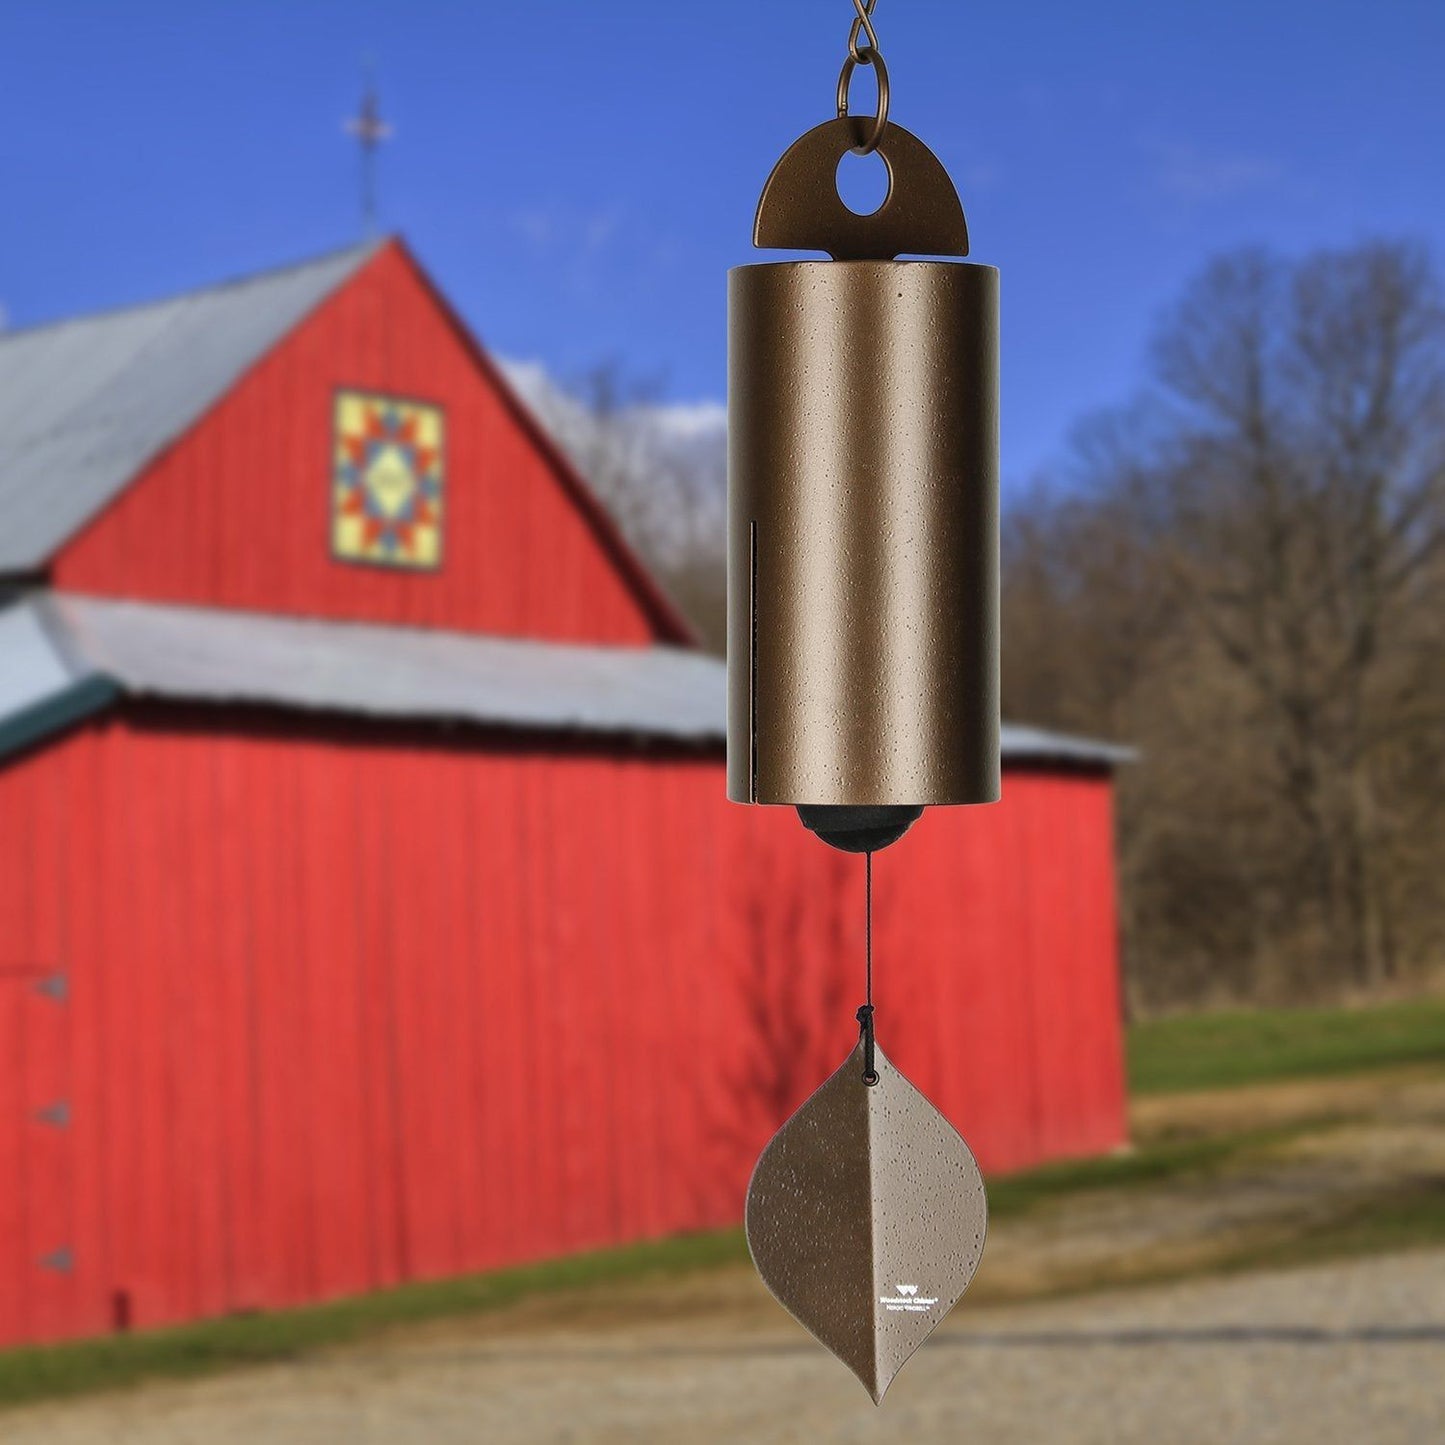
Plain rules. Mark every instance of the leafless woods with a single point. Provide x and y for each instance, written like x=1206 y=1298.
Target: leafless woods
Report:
x=1242 y=575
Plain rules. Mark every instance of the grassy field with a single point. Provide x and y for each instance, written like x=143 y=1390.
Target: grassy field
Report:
x=1225 y=1050
x=1187 y=1054
x=196 y=1349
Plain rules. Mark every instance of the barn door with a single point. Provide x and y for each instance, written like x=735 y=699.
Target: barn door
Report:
x=37 y=1260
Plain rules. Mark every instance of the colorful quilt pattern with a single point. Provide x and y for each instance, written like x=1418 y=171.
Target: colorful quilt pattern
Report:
x=387 y=481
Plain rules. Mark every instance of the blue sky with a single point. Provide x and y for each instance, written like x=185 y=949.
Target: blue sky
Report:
x=579 y=176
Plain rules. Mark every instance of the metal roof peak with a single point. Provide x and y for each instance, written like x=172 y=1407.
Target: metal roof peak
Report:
x=87 y=403
x=360 y=250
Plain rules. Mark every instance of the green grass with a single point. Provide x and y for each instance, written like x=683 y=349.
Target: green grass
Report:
x=1225 y=1050
x=1412 y=1218
x=49 y=1371
x=1156 y=1163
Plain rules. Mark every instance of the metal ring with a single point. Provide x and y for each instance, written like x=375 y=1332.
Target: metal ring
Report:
x=867 y=56
x=871 y=1078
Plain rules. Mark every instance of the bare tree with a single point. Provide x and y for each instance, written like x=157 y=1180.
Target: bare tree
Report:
x=660 y=478
x=1307 y=480
x=1248 y=573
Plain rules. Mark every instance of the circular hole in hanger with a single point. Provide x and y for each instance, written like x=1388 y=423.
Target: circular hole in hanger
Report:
x=863 y=182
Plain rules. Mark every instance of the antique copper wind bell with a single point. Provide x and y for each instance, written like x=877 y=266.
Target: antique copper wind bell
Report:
x=863 y=665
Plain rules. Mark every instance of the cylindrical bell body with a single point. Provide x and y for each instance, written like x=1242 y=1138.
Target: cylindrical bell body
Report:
x=863 y=533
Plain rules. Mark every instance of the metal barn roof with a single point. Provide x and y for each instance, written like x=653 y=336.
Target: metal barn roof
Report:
x=1019 y=743
x=62 y=656
x=52 y=644
x=86 y=403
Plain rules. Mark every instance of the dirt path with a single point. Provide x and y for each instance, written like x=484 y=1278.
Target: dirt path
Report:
x=1340 y=1353
x=1345 y=1147
x=1345 y=1352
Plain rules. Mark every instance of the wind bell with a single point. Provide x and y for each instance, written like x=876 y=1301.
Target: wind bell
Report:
x=863 y=666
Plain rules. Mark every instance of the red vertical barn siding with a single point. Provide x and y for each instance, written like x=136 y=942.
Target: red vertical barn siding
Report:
x=347 y=1009
x=996 y=968
x=237 y=512
x=15 y=1268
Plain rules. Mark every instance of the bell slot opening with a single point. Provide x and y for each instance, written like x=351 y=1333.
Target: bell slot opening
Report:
x=752 y=661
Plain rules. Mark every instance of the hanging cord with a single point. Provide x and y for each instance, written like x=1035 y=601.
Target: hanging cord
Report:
x=866 y=54
x=865 y=1014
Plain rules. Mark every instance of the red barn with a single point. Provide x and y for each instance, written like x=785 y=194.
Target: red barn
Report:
x=369 y=904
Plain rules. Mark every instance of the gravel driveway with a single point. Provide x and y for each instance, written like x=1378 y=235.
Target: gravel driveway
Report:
x=1345 y=1353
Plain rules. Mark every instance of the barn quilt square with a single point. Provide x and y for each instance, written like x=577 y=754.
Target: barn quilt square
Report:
x=387 y=481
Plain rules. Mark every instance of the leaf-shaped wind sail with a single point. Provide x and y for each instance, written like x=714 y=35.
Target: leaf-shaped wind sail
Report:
x=866 y=1218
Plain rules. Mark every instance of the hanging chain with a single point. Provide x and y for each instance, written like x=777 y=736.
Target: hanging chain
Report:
x=863 y=25
x=865 y=54
x=865 y=1014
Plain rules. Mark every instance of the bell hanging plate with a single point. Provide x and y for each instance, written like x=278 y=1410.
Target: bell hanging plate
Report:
x=866 y=1218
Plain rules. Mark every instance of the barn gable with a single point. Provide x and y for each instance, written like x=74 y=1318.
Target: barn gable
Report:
x=184 y=544
x=85 y=404
x=189 y=454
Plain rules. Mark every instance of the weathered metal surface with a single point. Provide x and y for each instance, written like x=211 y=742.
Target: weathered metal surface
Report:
x=801 y=209
x=866 y=1218
x=863 y=533
x=862 y=494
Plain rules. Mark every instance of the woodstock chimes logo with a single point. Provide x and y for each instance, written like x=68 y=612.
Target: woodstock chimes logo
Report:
x=907 y=1299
